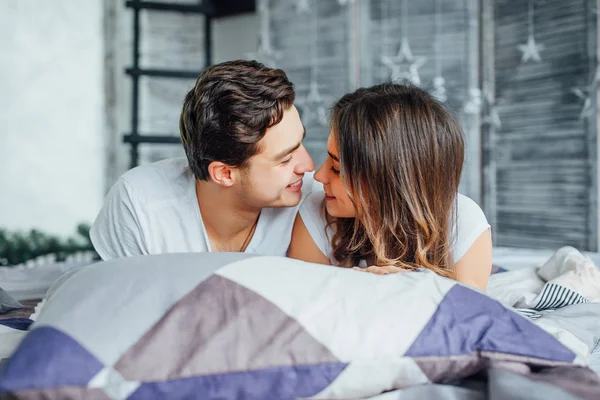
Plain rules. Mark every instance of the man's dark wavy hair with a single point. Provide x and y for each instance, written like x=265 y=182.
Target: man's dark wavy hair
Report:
x=229 y=111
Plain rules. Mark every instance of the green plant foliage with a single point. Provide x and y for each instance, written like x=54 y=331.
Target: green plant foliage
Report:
x=19 y=247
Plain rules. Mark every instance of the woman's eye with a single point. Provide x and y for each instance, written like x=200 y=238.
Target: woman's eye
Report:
x=335 y=171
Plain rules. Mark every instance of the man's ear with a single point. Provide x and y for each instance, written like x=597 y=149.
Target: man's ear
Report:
x=221 y=173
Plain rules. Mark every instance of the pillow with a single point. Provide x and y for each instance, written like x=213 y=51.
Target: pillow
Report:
x=236 y=325
x=7 y=303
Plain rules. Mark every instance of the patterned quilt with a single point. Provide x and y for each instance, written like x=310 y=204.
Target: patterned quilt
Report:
x=238 y=326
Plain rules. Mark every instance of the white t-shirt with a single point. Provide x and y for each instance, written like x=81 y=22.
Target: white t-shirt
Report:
x=153 y=209
x=471 y=223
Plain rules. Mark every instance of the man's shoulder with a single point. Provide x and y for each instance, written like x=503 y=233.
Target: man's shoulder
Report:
x=159 y=182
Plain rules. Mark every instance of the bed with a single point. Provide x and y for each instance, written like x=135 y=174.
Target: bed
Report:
x=28 y=285
x=516 y=267
x=488 y=351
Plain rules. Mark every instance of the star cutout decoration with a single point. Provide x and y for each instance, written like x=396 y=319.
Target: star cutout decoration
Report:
x=586 y=109
x=313 y=106
x=596 y=77
x=473 y=105
x=404 y=65
x=584 y=93
x=439 y=89
x=493 y=118
x=404 y=52
x=531 y=50
x=401 y=70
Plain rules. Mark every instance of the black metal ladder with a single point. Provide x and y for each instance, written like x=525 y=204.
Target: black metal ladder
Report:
x=134 y=137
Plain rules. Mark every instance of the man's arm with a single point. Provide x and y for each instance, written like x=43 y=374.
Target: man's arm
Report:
x=303 y=247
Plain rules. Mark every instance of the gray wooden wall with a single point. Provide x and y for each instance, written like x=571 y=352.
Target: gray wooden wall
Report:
x=531 y=156
x=540 y=185
x=292 y=33
x=445 y=33
x=531 y=159
x=351 y=41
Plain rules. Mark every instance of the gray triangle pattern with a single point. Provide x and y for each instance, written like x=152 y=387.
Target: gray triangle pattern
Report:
x=220 y=327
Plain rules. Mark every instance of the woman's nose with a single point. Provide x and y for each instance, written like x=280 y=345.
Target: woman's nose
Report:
x=321 y=174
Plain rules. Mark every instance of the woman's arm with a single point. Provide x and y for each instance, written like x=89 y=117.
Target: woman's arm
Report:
x=303 y=247
x=475 y=267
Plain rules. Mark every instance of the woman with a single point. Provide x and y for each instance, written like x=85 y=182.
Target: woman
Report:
x=391 y=191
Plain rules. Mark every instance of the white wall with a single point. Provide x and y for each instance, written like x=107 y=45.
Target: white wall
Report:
x=52 y=156
x=60 y=137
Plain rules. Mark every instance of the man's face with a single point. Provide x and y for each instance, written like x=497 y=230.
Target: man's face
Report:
x=273 y=177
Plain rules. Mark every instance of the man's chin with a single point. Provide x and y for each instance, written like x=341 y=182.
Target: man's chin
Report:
x=287 y=200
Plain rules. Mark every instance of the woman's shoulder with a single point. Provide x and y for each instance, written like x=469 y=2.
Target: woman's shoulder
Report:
x=469 y=224
x=468 y=207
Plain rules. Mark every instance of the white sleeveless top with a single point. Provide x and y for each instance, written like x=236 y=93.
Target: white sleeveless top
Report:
x=471 y=223
x=153 y=209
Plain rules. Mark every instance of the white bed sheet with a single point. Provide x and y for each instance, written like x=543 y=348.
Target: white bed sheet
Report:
x=505 y=287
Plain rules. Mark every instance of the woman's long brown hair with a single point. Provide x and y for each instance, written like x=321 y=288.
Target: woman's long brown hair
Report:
x=401 y=157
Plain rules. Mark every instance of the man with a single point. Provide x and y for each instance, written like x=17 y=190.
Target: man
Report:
x=239 y=188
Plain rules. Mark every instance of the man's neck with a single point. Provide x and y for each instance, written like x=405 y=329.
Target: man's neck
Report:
x=228 y=223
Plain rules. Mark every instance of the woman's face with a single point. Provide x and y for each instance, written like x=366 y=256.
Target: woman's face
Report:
x=337 y=200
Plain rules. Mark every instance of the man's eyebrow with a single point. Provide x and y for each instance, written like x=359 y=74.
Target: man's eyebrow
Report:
x=334 y=157
x=289 y=150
